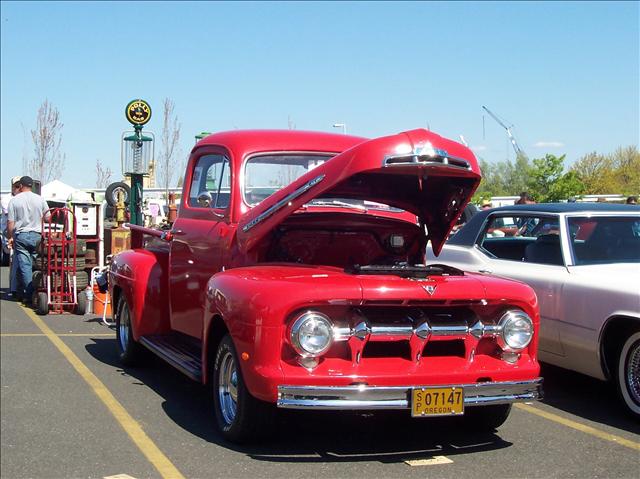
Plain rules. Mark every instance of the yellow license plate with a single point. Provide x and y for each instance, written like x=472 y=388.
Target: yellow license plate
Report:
x=437 y=401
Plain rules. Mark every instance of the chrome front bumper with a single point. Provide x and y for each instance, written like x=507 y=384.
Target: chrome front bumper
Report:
x=365 y=397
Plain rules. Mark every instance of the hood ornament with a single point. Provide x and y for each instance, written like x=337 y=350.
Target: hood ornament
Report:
x=429 y=288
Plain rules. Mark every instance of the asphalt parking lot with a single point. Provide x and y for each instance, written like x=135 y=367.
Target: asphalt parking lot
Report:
x=68 y=409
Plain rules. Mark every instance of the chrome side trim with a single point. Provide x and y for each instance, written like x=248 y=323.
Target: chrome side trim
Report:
x=363 y=397
x=283 y=202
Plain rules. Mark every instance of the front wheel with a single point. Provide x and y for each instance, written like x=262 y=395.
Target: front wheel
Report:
x=628 y=374
x=128 y=349
x=486 y=418
x=239 y=416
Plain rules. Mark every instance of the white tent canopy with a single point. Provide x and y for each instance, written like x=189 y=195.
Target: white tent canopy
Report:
x=56 y=190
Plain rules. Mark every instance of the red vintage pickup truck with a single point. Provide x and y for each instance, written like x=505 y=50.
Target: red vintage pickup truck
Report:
x=296 y=276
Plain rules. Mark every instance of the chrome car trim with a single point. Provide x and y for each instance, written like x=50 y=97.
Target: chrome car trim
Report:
x=295 y=329
x=427 y=155
x=365 y=397
x=417 y=332
x=424 y=330
x=283 y=202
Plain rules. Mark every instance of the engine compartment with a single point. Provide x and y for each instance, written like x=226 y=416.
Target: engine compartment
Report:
x=344 y=240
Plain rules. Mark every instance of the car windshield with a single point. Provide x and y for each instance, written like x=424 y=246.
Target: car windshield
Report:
x=266 y=174
x=605 y=239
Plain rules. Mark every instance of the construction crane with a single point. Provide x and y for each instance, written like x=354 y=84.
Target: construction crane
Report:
x=519 y=151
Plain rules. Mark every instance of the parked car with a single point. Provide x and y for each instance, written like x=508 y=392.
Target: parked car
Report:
x=295 y=276
x=583 y=261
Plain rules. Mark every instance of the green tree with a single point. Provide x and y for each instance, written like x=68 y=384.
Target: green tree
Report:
x=503 y=178
x=626 y=164
x=548 y=183
x=596 y=172
x=618 y=172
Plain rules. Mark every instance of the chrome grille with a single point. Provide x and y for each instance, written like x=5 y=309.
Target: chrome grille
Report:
x=416 y=327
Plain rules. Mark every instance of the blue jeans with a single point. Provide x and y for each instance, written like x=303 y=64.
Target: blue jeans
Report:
x=13 y=273
x=25 y=247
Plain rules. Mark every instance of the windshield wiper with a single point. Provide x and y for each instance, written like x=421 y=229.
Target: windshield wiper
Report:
x=342 y=204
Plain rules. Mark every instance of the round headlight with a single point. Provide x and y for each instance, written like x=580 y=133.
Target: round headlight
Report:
x=516 y=330
x=312 y=334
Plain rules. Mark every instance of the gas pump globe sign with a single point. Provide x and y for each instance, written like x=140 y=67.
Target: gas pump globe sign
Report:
x=138 y=112
x=137 y=149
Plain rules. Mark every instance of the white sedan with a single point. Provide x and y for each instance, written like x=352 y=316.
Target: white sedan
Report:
x=583 y=261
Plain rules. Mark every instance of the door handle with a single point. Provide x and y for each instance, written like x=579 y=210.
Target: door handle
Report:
x=486 y=271
x=168 y=235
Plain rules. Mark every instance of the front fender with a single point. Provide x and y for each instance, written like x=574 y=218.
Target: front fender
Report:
x=255 y=302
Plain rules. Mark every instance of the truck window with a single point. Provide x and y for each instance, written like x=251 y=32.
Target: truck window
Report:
x=211 y=183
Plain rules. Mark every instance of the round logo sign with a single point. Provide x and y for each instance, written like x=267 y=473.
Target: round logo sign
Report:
x=138 y=112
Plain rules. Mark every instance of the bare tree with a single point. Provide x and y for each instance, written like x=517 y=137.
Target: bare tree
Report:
x=103 y=175
x=25 y=153
x=48 y=161
x=290 y=124
x=167 y=167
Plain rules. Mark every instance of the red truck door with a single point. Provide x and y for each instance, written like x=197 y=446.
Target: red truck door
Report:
x=200 y=235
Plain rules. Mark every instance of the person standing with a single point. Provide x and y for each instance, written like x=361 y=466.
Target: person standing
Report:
x=525 y=199
x=13 y=269
x=24 y=230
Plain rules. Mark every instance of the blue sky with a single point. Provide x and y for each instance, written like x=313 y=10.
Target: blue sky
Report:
x=565 y=74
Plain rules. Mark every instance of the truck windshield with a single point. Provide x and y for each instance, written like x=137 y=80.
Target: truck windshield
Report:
x=266 y=174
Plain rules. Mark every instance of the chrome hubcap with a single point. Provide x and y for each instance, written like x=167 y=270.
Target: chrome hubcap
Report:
x=228 y=388
x=123 y=328
x=633 y=372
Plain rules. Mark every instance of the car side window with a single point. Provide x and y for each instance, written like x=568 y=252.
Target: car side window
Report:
x=530 y=238
x=210 y=183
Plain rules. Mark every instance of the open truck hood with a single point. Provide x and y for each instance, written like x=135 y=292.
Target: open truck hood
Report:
x=417 y=171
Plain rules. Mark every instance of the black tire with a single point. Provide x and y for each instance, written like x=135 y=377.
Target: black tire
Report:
x=82 y=280
x=42 y=303
x=81 y=307
x=36 y=280
x=243 y=418
x=80 y=263
x=111 y=194
x=628 y=373
x=129 y=351
x=486 y=418
x=80 y=249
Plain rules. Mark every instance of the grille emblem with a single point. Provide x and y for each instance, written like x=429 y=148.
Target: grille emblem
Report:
x=429 y=288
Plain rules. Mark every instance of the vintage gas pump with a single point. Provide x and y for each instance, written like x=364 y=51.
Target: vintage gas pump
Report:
x=137 y=153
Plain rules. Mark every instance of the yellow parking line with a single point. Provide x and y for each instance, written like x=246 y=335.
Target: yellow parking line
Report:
x=26 y=335
x=580 y=427
x=434 y=461
x=155 y=456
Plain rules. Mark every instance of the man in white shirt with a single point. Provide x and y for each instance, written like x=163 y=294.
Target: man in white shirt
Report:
x=13 y=271
x=24 y=229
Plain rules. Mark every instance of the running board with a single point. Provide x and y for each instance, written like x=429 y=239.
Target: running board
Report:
x=181 y=352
